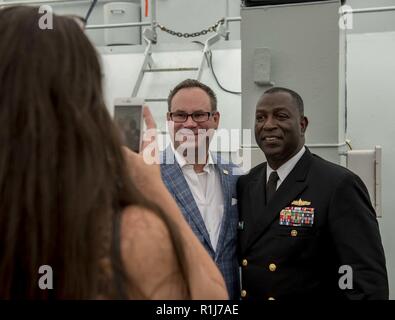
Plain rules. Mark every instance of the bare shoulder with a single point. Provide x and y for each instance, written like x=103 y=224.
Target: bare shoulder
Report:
x=143 y=234
x=138 y=221
x=149 y=256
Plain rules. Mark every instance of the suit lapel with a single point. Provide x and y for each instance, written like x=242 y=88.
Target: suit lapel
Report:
x=225 y=177
x=258 y=195
x=292 y=186
x=175 y=182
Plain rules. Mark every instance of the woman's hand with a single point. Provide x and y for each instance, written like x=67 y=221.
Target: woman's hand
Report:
x=144 y=167
x=149 y=148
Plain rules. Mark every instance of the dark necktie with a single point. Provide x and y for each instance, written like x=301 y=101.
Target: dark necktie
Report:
x=271 y=186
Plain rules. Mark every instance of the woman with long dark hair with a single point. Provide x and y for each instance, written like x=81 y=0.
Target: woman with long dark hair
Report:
x=70 y=197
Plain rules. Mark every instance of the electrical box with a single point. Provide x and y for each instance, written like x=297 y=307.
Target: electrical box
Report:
x=367 y=165
x=262 y=62
x=121 y=12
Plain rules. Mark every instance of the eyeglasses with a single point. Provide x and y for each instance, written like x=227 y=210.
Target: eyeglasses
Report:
x=198 y=116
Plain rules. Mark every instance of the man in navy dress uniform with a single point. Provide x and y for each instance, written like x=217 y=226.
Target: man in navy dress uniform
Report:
x=307 y=227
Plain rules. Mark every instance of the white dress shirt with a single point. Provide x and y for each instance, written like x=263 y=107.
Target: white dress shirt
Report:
x=286 y=168
x=206 y=189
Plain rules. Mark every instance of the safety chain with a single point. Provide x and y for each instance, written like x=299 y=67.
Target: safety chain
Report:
x=190 y=35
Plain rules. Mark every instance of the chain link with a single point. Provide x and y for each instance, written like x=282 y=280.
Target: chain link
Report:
x=193 y=34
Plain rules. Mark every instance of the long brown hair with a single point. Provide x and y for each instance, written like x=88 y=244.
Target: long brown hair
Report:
x=62 y=174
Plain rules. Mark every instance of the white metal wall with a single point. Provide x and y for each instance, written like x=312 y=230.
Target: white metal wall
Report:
x=371 y=114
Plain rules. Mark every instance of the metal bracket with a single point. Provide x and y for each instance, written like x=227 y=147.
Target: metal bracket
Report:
x=221 y=31
x=147 y=36
x=367 y=164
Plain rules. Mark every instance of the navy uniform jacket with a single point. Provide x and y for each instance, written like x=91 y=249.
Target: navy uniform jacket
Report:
x=298 y=262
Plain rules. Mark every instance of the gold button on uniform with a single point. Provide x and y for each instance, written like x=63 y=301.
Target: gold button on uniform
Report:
x=294 y=233
x=271 y=298
x=244 y=262
x=243 y=293
x=272 y=267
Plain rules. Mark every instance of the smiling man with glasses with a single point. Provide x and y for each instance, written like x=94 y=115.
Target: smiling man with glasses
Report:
x=192 y=121
x=202 y=185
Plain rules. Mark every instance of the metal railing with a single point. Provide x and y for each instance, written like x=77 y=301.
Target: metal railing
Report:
x=118 y=25
x=91 y=27
x=151 y=23
x=368 y=10
x=349 y=10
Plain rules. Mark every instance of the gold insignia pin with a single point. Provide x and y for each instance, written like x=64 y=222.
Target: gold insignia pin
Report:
x=301 y=203
x=226 y=171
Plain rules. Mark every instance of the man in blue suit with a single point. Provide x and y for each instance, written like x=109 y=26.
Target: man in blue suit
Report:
x=201 y=183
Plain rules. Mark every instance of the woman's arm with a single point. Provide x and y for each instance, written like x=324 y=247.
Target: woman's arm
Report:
x=148 y=231
x=149 y=257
